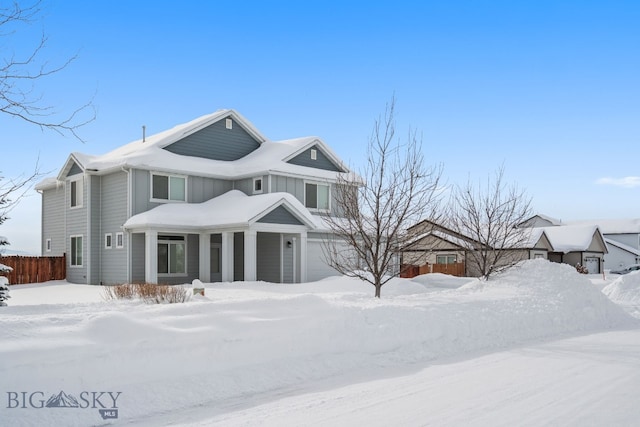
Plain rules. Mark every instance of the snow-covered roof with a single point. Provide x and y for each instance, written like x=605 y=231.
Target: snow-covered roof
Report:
x=570 y=238
x=216 y=212
x=151 y=155
x=622 y=246
x=613 y=226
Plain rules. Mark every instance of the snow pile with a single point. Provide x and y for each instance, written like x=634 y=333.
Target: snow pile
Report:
x=625 y=291
x=244 y=341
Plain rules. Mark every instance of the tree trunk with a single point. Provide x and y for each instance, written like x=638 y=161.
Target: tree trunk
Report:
x=378 y=287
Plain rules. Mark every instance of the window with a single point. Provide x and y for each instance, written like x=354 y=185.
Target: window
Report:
x=257 y=185
x=119 y=240
x=314 y=154
x=108 y=241
x=172 y=255
x=76 y=251
x=229 y=124
x=168 y=187
x=445 y=259
x=76 y=193
x=47 y=245
x=316 y=196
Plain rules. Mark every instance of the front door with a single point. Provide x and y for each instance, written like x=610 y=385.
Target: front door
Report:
x=216 y=262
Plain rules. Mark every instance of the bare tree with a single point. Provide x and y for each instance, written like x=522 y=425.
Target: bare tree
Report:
x=374 y=208
x=489 y=216
x=19 y=74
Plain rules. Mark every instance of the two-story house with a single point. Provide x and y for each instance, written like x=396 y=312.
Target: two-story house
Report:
x=211 y=199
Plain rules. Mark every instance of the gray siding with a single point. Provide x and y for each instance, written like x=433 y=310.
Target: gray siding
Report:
x=113 y=214
x=95 y=239
x=285 y=184
x=74 y=169
x=244 y=185
x=137 y=257
x=268 y=257
x=321 y=161
x=199 y=190
x=53 y=221
x=76 y=225
x=630 y=239
x=238 y=256
x=216 y=142
x=287 y=260
x=317 y=268
x=280 y=215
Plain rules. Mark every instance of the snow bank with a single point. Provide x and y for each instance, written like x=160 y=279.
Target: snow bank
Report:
x=625 y=291
x=243 y=341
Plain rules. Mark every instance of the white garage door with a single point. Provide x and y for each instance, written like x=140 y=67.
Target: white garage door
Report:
x=317 y=268
x=592 y=264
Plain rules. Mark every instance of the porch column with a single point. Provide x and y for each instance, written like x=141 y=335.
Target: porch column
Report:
x=205 y=257
x=303 y=257
x=227 y=257
x=151 y=256
x=250 y=248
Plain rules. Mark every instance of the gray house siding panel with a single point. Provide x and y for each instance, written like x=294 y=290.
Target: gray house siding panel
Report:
x=53 y=221
x=95 y=240
x=238 y=256
x=137 y=257
x=244 y=185
x=113 y=214
x=268 y=260
x=285 y=184
x=216 y=142
x=287 y=259
x=74 y=170
x=76 y=225
x=201 y=189
x=280 y=215
x=630 y=239
x=321 y=161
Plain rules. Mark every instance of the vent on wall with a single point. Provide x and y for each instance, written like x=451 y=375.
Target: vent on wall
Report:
x=229 y=124
x=314 y=154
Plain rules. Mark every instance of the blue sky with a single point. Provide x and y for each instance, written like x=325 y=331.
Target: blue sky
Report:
x=550 y=89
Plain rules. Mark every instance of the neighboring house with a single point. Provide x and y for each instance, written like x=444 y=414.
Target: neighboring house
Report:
x=436 y=245
x=212 y=199
x=577 y=244
x=622 y=237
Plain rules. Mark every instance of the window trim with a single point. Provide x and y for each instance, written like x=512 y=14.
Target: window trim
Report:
x=79 y=194
x=108 y=240
x=71 y=254
x=169 y=176
x=314 y=154
x=455 y=258
x=47 y=245
x=169 y=242
x=258 y=179
x=120 y=238
x=317 y=183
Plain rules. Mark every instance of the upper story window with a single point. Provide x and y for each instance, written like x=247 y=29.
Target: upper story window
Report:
x=317 y=196
x=171 y=188
x=257 y=185
x=76 y=193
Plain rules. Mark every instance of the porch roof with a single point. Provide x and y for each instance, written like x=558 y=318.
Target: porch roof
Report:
x=232 y=209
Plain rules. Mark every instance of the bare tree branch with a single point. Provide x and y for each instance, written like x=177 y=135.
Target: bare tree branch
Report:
x=373 y=216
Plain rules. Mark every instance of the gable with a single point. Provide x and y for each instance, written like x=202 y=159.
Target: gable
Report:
x=74 y=170
x=280 y=215
x=597 y=244
x=321 y=160
x=216 y=142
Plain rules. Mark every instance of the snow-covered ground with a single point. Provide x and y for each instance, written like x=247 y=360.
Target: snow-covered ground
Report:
x=538 y=345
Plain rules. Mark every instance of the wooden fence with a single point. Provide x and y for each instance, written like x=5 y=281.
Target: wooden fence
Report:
x=409 y=271
x=28 y=269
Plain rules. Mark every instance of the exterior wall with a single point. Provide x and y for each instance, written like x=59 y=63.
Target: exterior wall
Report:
x=317 y=268
x=572 y=258
x=280 y=215
x=76 y=225
x=216 y=142
x=617 y=258
x=193 y=258
x=286 y=184
x=630 y=239
x=113 y=214
x=268 y=257
x=244 y=185
x=53 y=221
x=94 y=242
x=137 y=257
x=288 y=259
x=199 y=189
x=321 y=161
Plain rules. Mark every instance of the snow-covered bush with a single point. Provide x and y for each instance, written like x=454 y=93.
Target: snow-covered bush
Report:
x=148 y=292
x=4 y=291
x=581 y=269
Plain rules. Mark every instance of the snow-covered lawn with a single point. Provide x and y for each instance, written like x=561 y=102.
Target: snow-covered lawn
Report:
x=538 y=345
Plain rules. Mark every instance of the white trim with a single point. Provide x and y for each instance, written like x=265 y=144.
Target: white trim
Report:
x=108 y=240
x=228 y=123
x=121 y=235
x=169 y=176
x=314 y=154
x=78 y=179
